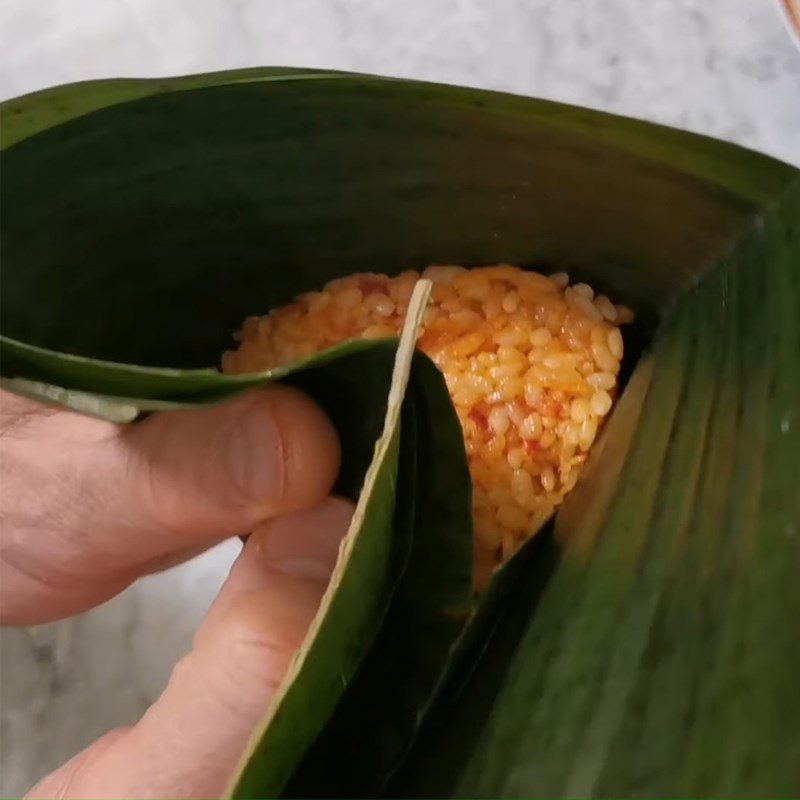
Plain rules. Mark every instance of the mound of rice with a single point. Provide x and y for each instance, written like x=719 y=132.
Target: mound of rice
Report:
x=530 y=361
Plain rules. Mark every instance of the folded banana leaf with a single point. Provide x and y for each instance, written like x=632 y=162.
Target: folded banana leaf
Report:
x=650 y=644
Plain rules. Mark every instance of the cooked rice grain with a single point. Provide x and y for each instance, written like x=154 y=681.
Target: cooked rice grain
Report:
x=530 y=362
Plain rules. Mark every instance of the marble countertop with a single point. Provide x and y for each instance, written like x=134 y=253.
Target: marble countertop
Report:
x=723 y=67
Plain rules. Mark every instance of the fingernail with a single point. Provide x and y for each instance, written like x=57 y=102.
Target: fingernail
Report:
x=255 y=453
x=306 y=543
x=267 y=546
x=303 y=568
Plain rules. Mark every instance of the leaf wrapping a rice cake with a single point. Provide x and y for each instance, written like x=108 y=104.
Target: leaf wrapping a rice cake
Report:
x=530 y=362
x=651 y=647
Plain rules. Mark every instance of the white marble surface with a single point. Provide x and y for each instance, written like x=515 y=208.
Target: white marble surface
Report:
x=722 y=67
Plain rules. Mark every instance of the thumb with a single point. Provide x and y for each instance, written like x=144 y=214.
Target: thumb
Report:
x=204 y=474
x=189 y=742
x=89 y=506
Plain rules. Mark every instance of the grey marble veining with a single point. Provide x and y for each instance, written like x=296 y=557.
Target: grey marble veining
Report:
x=723 y=67
x=64 y=684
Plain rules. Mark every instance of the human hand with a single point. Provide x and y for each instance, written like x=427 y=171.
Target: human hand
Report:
x=87 y=507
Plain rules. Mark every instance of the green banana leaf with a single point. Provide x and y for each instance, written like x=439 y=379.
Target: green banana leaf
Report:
x=662 y=658
x=650 y=645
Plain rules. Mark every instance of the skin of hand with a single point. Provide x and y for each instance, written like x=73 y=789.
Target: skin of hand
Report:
x=87 y=507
